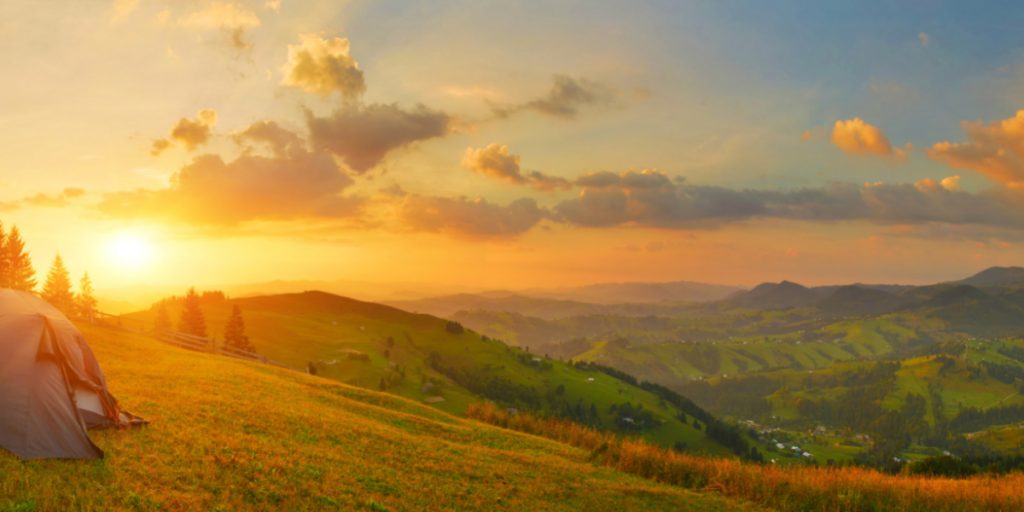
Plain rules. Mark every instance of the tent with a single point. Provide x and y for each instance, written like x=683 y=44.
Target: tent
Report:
x=52 y=390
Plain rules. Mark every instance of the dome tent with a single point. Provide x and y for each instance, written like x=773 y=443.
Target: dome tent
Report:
x=51 y=387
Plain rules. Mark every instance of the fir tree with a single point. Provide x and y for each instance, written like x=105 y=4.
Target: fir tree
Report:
x=234 y=332
x=86 y=302
x=163 y=320
x=5 y=266
x=57 y=288
x=192 y=320
x=20 y=274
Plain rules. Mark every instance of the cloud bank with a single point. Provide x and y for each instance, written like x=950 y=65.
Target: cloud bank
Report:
x=294 y=183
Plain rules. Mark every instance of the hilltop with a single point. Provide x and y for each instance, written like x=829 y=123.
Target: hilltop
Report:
x=232 y=435
x=422 y=357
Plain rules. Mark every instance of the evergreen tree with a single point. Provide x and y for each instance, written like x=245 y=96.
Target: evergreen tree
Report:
x=57 y=288
x=163 y=320
x=192 y=320
x=86 y=302
x=234 y=332
x=311 y=368
x=5 y=265
x=20 y=274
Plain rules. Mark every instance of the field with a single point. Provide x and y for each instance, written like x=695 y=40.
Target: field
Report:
x=317 y=327
x=232 y=435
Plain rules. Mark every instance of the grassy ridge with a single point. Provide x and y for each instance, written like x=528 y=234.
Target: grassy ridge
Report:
x=233 y=435
x=316 y=326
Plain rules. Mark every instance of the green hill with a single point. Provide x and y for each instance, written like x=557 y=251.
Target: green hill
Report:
x=348 y=341
x=232 y=435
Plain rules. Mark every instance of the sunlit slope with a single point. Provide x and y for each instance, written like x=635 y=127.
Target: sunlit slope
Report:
x=324 y=328
x=228 y=434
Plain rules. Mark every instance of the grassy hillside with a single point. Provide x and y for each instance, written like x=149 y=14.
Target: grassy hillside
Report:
x=232 y=435
x=314 y=326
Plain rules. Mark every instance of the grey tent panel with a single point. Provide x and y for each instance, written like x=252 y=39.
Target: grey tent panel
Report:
x=51 y=387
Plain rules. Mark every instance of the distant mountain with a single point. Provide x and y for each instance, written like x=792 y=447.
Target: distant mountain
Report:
x=969 y=310
x=996 y=276
x=773 y=296
x=447 y=305
x=614 y=293
x=826 y=291
x=853 y=300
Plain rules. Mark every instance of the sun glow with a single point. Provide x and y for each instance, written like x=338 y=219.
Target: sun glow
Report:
x=129 y=252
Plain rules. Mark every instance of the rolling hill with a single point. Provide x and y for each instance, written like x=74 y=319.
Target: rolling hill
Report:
x=233 y=435
x=415 y=356
x=996 y=276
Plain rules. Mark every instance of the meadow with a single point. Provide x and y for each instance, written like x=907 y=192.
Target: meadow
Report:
x=233 y=435
x=318 y=327
x=784 y=488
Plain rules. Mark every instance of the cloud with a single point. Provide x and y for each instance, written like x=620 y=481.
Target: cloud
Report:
x=279 y=140
x=292 y=184
x=651 y=199
x=995 y=150
x=496 y=162
x=565 y=98
x=855 y=137
x=323 y=66
x=57 y=201
x=925 y=39
x=123 y=9
x=190 y=132
x=159 y=146
x=363 y=135
x=42 y=200
x=467 y=218
x=274 y=5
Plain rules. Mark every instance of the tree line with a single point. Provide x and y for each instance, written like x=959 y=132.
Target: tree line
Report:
x=193 y=322
x=17 y=273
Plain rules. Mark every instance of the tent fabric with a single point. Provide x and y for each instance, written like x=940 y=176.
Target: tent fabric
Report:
x=52 y=390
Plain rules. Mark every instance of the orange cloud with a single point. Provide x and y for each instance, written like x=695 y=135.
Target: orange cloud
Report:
x=995 y=150
x=951 y=184
x=190 y=132
x=855 y=137
x=495 y=161
x=292 y=184
x=323 y=66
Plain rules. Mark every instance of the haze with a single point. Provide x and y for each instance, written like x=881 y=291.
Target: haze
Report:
x=513 y=145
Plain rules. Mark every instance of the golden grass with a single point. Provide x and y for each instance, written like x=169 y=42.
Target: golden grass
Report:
x=232 y=435
x=799 y=488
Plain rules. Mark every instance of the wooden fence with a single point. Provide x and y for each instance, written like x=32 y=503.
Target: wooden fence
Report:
x=179 y=339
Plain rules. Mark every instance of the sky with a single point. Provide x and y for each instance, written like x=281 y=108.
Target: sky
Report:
x=514 y=144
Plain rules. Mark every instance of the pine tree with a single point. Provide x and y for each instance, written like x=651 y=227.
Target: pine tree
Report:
x=20 y=274
x=57 y=288
x=5 y=266
x=192 y=320
x=163 y=320
x=86 y=302
x=234 y=332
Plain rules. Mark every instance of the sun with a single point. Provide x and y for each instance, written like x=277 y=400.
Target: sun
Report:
x=129 y=251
